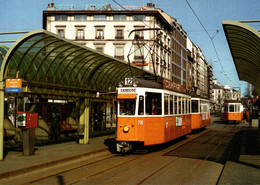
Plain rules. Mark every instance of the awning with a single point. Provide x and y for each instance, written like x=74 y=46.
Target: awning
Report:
x=244 y=44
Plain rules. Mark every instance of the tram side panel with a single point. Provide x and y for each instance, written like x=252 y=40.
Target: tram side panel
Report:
x=229 y=116
x=200 y=116
x=152 y=130
x=205 y=121
x=196 y=121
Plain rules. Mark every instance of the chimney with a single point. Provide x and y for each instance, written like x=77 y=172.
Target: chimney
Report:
x=51 y=6
x=92 y=7
x=150 y=6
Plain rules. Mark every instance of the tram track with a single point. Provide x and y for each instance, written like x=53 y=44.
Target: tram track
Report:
x=63 y=172
x=110 y=163
x=194 y=169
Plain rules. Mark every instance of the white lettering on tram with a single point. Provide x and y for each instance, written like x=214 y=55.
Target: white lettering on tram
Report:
x=128 y=90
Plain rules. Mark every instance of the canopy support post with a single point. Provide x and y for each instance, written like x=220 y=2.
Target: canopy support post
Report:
x=84 y=120
x=2 y=101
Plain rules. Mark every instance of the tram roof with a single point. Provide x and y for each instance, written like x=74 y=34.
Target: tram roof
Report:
x=43 y=59
x=244 y=44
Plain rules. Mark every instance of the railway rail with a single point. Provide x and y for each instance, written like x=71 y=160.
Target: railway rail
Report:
x=167 y=159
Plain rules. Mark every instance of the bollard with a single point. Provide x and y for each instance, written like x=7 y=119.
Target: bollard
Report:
x=28 y=141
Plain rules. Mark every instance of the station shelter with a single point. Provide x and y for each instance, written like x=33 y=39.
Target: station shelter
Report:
x=244 y=44
x=60 y=78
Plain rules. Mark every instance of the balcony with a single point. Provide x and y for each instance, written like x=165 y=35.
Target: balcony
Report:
x=138 y=57
x=99 y=37
x=119 y=37
x=80 y=38
x=120 y=57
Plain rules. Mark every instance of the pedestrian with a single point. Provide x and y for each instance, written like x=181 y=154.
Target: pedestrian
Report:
x=247 y=115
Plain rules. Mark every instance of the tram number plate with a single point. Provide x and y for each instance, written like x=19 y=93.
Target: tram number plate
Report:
x=128 y=81
x=140 y=122
x=178 y=122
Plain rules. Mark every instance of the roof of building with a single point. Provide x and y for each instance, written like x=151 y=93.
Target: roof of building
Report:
x=216 y=86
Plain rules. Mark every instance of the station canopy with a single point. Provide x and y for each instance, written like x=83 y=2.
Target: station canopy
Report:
x=45 y=61
x=244 y=44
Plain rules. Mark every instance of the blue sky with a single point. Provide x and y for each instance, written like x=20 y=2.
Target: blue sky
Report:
x=26 y=15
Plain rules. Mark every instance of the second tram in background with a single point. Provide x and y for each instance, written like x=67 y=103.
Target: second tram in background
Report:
x=200 y=113
x=233 y=111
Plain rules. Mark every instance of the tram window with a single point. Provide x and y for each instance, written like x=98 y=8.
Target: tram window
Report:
x=153 y=103
x=184 y=105
x=237 y=107
x=231 y=108
x=171 y=104
x=175 y=105
x=226 y=108
x=187 y=106
x=166 y=104
x=127 y=106
x=194 y=106
x=179 y=105
x=141 y=105
x=204 y=107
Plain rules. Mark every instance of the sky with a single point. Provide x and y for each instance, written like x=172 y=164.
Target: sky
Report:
x=26 y=15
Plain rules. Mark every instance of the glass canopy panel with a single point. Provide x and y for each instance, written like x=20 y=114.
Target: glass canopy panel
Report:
x=244 y=44
x=43 y=57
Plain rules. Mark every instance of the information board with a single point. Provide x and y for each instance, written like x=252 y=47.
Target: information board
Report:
x=13 y=85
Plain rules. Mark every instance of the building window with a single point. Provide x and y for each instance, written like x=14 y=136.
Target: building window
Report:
x=60 y=17
x=100 y=17
x=119 y=17
x=138 y=17
x=139 y=52
x=119 y=34
x=100 y=33
x=61 y=32
x=140 y=34
x=119 y=53
x=80 y=34
x=80 y=17
x=100 y=49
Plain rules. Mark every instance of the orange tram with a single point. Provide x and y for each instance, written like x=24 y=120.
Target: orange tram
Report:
x=150 y=114
x=233 y=111
x=200 y=113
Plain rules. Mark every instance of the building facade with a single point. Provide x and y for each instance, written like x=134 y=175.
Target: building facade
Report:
x=199 y=72
x=144 y=36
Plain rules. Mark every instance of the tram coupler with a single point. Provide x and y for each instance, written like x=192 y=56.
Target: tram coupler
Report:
x=123 y=146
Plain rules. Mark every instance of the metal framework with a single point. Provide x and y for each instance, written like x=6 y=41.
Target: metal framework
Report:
x=244 y=44
x=54 y=67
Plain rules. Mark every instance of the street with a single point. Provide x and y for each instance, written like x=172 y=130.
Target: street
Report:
x=198 y=158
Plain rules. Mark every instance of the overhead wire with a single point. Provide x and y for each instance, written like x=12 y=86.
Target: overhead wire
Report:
x=211 y=38
x=145 y=44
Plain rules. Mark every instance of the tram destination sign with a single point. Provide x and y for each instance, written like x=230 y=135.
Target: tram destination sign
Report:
x=13 y=85
x=167 y=84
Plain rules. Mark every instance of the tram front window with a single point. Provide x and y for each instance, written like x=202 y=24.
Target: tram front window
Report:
x=127 y=106
x=232 y=108
x=194 y=106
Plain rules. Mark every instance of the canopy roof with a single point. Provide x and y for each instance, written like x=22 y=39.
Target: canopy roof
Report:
x=43 y=59
x=244 y=44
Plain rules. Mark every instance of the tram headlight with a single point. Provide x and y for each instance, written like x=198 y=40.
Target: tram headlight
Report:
x=126 y=128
